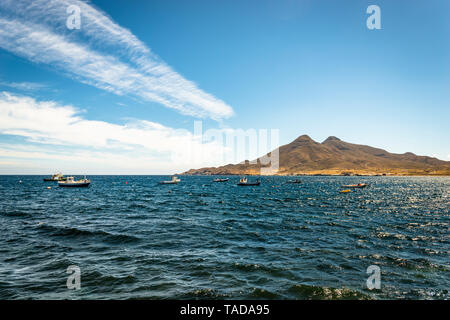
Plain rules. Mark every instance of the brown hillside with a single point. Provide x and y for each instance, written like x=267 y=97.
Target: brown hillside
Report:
x=334 y=156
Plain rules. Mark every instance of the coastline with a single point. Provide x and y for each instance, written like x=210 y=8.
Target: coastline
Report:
x=315 y=175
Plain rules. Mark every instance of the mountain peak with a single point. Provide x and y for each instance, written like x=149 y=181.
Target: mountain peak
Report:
x=304 y=137
x=331 y=139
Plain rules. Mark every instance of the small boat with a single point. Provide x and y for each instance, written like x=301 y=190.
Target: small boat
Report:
x=72 y=183
x=56 y=177
x=244 y=182
x=174 y=180
x=345 y=191
x=359 y=185
x=220 y=180
x=294 y=181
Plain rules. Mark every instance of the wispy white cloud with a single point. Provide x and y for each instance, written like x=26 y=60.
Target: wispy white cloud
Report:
x=60 y=133
x=101 y=53
x=24 y=86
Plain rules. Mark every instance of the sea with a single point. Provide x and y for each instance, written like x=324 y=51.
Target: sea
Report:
x=128 y=237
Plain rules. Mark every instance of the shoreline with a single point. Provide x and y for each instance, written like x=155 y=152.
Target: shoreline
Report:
x=238 y=175
x=315 y=175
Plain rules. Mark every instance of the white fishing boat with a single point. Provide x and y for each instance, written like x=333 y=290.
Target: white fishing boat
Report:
x=56 y=177
x=245 y=182
x=294 y=181
x=174 y=180
x=359 y=185
x=71 y=182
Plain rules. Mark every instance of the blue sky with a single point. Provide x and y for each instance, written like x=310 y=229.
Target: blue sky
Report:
x=135 y=73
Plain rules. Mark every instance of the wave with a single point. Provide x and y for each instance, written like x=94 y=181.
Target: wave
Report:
x=15 y=213
x=99 y=279
x=71 y=232
x=302 y=291
x=418 y=264
x=259 y=293
x=204 y=294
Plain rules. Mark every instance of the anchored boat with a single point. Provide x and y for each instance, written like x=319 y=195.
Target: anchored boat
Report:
x=71 y=182
x=359 y=185
x=294 y=181
x=174 y=180
x=56 y=177
x=244 y=182
x=220 y=180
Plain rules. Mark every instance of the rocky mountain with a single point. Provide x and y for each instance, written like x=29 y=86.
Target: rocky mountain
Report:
x=304 y=156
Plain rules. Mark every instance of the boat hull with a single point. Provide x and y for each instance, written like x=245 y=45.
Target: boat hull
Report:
x=74 y=185
x=249 y=184
x=354 y=186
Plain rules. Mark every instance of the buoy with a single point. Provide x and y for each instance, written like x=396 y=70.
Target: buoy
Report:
x=49 y=187
x=126 y=182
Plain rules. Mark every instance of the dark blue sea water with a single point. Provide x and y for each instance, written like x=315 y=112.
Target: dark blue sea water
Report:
x=206 y=240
